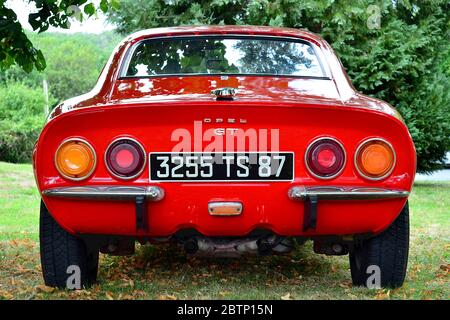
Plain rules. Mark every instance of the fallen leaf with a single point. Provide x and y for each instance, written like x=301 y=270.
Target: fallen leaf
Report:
x=382 y=295
x=287 y=296
x=43 y=288
x=6 y=295
x=224 y=293
x=445 y=267
x=167 y=297
x=109 y=296
x=345 y=284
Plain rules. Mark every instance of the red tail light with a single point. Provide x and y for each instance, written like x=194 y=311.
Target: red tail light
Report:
x=125 y=158
x=325 y=158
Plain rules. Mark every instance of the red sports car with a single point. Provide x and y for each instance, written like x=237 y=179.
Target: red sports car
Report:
x=227 y=140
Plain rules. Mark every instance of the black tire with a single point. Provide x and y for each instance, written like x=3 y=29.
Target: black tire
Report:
x=60 y=249
x=388 y=251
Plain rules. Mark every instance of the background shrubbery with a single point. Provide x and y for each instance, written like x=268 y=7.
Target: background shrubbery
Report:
x=22 y=116
x=74 y=62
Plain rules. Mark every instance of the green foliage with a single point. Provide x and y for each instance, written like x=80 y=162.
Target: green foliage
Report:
x=405 y=62
x=74 y=62
x=16 y=47
x=22 y=115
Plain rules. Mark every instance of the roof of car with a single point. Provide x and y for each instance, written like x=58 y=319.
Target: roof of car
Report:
x=223 y=29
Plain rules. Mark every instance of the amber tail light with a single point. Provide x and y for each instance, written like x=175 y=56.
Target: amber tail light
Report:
x=125 y=158
x=325 y=158
x=75 y=159
x=375 y=159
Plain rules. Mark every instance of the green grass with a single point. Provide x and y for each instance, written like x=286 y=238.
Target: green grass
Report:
x=163 y=272
x=19 y=202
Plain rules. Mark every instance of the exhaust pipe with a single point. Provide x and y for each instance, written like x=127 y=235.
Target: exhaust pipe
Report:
x=264 y=247
x=228 y=248
x=191 y=246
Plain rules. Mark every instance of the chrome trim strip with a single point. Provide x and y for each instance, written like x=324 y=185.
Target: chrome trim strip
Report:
x=115 y=193
x=341 y=193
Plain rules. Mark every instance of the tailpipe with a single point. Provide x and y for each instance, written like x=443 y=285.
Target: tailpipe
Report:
x=191 y=246
x=230 y=248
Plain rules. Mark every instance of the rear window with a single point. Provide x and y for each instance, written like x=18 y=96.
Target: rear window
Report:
x=223 y=56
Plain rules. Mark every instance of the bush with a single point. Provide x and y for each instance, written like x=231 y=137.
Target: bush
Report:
x=74 y=62
x=22 y=116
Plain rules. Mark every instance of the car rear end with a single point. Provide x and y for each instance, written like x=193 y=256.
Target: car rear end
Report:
x=349 y=202
x=264 y=159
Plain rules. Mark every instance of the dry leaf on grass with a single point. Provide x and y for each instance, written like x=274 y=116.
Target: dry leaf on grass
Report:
x=167 y=297
x=43 y=288
x=382 y=295
x=445 y=268
x=6 y=295
x=224 y=293
x=345 y=284
x=109 y=296
x=287 y=296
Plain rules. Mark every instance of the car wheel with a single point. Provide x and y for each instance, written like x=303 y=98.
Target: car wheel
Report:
x=388 y=251
x=64 y=255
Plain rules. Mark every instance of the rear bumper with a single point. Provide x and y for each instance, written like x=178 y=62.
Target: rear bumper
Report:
x=154 y=193
x=345 y=193
x=154 y=211
x=109 y=193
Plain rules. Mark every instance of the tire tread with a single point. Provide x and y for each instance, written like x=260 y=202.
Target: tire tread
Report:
x=59 y=249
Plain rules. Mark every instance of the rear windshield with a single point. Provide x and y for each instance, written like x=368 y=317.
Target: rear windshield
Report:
x=223 y=56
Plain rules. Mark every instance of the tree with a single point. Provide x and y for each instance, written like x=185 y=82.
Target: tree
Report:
x=16 y=47
x=74 y=62
x=403 y=60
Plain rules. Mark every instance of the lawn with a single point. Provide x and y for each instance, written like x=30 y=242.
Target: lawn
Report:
x=164 y=272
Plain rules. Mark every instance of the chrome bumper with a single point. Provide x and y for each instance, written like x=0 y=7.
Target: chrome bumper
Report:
x=154 y=193
x=341 y=193
x=141 y=195
x=107 y=193
x=313 y=195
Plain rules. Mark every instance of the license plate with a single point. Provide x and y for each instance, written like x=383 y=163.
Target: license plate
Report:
x=246 y=166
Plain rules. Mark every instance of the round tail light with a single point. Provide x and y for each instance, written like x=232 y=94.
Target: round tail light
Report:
x=325 y=158
x=375 y=159
x=125 y=158
x=75 y=159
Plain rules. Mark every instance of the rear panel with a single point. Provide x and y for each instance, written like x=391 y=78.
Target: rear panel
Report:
x=287 y=128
